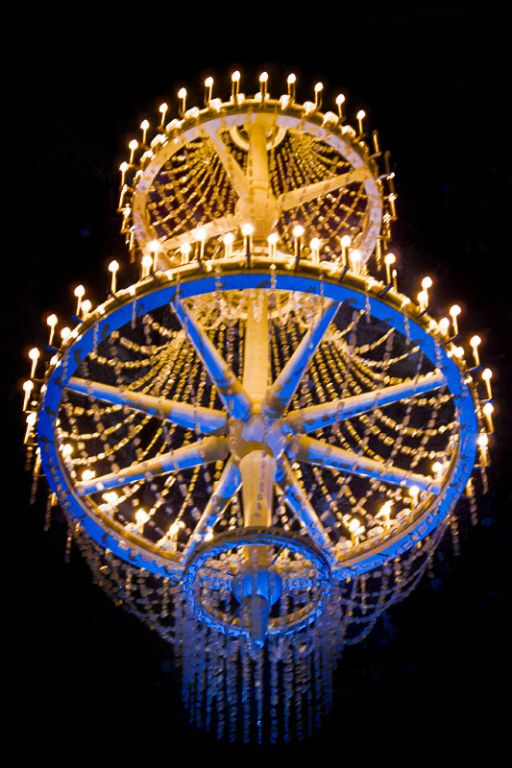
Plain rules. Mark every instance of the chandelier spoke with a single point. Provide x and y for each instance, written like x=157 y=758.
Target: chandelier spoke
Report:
x=201 y=452
x=297 y=501
x=233 y=169
x=330 y=457
x=230 y=390
x=283 y=389
x=257 y=470
x=302 y=195
x=323 y=415
x=198 y=418
x=227 y=486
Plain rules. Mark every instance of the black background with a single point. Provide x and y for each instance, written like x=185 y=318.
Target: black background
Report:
x=432 y=683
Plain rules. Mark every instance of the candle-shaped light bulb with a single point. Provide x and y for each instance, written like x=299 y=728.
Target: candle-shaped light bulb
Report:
x=113 y=268
x=123 y=168
x=132 y=146
x=88 y=474
x=208 y=90
x=272 y=240
x=291 y=82
x=475 y=342
x=65 y=333
x=444 y=326
x=319 y=87
x=454 y=312
x=263 y=80
x=487 y=376
x=340 y=100
x=51 y=321
x=185 y=251
x=163 y=111
x=228 y=241
x=488 y=410
x=147 y=264
x=201 y=237
x=144 y=126
x=345 y=246
x=355 y=260
x=360 y=118
x=182 y=96
x=33 y=355
x=423 y=300
x=86 y=308
x=235 y=85
x=28 y=386
x=79 y=292
x=315 y=249
x=141 y=516
x=389 y=260
x=426 y=283
x=483 y=447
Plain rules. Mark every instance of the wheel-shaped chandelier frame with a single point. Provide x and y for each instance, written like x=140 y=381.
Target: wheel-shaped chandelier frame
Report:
x=165 y=288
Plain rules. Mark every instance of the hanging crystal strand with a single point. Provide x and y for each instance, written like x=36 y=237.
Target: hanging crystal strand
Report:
x=454 y=530
x=308 y=679
x=201 y=686
x=297 y=686
x=69 y=543
x=274 y=690
x=246 y=688
x=231 y=686
x=222 y=676
x=48 y=516
x=287 y=688
x=258 y=686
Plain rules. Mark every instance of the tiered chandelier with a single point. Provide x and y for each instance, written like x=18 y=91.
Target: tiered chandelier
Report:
x=258 y=444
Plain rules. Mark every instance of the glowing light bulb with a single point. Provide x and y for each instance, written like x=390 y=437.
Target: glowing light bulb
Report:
x=163 y=111
x=141 y=516
x=444 y=325
x=475 y=342
x=147 y=265
x=208 y=85
x=185 y=251
x=487 y=376
x=228 y=241
x=488 y=410
x=298 y=230
x=291 y=82
x=355 y=259
x=28 y=386
x=113 y=268
x=340 y=100
x=33 y=355
x=454 y=312
x=86 y=308
x=132 y=146
x=67 y=450
x=65 y=333
x=272 y=240
x=88 y=474
x=315 y=249
x=182 y=96
x=144 y=126
x=319 y=87
x=360 y=116
x=426 y=283
x=389 y=260
x=79 y=292
x=51 y=321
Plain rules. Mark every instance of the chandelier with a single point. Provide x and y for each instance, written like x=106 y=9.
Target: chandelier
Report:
x=260 y=442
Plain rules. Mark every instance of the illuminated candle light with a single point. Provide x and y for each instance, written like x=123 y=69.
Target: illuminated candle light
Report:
x=475 y=342
x=235 y=85
x=375 y=141
x=147 y=264
x=113 y=268
x=298 y=232
x=154 y=247
x=389 y=260
x=163 y=108
x=79 y=292
x=124 y=190
x=33 y=355
x=88 y=474
x=319 y=87
x=272 y=240
x=144 y=126
x=182 y=96
x=208 y=90
x=67 y=450
x=355 y=260
x=483 y=448
x=141 y=517
x=31 y=420
x=228 y=241
x=86 y=308
x=454 y=312
x=426 y=285
x=51 y=321
x=185 y=250
x=247 y=232
x=291 y=82
x=201 y=239
x=437 y=469
x=414 y=493
x=360 y=119
x=394 y=279
x=65 y=333
x=487 y=376
x=345 y=246
x=132 y=146
x=315 y=249
x=28 y=386
x=488 y=410
x=340 y=100
x=123 y=168
x=356 y=529
x=444 y=326
x=263 y=80
x=385 y=513
x=423 y=300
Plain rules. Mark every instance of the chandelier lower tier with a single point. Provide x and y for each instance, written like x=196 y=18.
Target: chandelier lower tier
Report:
x=258 y=445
